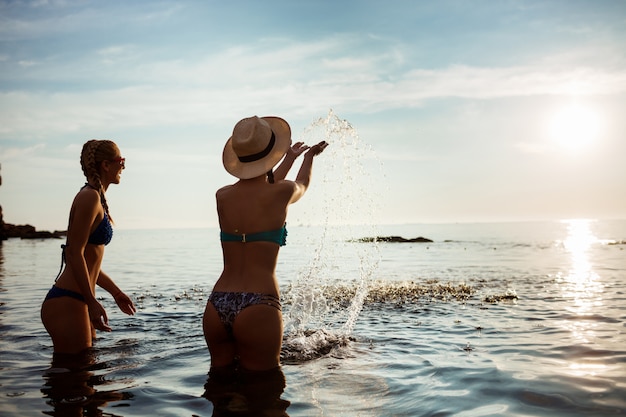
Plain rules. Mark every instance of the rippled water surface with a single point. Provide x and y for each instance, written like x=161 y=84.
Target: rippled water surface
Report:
x=519 y=319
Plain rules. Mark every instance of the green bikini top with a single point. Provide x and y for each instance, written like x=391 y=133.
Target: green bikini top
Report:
x=278 y=236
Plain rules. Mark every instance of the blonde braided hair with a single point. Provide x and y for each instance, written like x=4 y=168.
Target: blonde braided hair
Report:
x=93 y=153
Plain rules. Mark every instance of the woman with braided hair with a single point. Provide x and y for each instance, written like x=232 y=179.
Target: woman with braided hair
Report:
x=71 y=313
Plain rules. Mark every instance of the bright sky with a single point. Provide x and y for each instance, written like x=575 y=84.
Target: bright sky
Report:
x=476 y=110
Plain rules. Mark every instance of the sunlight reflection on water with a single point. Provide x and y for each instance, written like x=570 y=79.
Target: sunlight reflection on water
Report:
x=583 y=287
x=582 y=283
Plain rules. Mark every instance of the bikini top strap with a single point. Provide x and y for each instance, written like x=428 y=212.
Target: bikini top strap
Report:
x=62 y=261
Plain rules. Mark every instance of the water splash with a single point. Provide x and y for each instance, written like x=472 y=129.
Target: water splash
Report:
x=343 y=200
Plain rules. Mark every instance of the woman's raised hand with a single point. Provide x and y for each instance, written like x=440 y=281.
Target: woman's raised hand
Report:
x=297 y=149
x=317 y=148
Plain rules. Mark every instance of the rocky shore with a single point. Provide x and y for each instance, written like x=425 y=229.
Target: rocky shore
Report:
x=28 y=232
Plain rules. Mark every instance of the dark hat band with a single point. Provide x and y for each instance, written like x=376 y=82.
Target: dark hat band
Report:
x=259 y=155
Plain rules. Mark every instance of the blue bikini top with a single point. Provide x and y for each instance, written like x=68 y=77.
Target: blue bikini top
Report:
x=101 y=236
x=278 y=236
x=103 y=233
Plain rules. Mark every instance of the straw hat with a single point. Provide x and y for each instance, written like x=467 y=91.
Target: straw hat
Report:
x=256 y=146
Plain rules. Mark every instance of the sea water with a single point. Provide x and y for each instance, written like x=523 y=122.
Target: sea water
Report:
x=517 y=319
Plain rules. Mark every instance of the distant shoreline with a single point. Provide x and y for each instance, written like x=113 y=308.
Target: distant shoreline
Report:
x=28 y=231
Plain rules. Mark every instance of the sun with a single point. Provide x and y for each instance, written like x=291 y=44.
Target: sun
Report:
x=575 y=127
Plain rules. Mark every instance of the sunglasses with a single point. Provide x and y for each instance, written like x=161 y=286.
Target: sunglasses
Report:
x=120 y=160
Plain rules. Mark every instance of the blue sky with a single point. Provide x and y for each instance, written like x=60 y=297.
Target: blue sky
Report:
x=475 y=110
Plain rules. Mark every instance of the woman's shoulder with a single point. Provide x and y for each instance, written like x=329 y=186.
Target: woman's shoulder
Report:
x=86 y=208
x=286 y=185
x=87 y=199
x=225 y=190
x=87 y=195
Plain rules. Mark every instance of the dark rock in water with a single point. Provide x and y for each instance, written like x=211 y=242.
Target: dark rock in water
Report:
x=3 y=235
x=394 y=239
x=493 y=299
x=29 y=232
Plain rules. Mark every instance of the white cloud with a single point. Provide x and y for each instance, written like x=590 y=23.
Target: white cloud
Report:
x=174 y=92
x=11 y=153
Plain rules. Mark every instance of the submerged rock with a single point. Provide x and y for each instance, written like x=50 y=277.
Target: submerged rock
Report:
x=340 y=296
x=394 y=239
x=496 y=298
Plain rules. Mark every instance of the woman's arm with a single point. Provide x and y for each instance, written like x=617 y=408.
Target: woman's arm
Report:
x=304 y=174
x=123 y=301
x=83 y=214
x=292 y=154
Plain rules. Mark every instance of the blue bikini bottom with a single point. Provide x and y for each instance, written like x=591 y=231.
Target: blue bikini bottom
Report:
x=56 y=292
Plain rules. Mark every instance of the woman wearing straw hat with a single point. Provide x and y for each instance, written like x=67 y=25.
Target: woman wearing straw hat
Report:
x=242 y=321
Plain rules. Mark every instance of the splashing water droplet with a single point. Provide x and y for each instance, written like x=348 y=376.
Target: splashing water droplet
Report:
x=344 y=197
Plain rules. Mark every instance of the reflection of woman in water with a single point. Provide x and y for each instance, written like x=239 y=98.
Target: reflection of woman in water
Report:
x=72 y=388
x=252 y=394
x=242 y=321
x=70 y=312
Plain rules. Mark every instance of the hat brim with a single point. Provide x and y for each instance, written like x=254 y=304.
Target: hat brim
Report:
x=246 y=170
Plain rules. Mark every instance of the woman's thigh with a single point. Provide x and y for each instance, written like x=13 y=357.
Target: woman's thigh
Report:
x=67 y=322
x=221 y=345
x=258 y=331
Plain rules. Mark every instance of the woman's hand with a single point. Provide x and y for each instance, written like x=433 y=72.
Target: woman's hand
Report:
x=293 y=152
x=125 y=303
x=297 y=149
x=98 y=316
x=317 y=148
